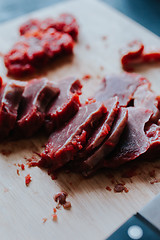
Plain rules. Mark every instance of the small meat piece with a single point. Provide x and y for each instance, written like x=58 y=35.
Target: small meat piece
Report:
x=65 y=106
x=65 y=23
x=123 y=86
x=10 y=97
x=135 y=53
x=133 y=142
x=35 y=50
x=117 y=129
x=64 y=144
x=37 y=94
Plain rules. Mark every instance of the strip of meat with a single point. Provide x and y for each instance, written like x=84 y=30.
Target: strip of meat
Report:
x=122 y=85
x=133 y=142
x=135 y=53
x=35 y=50
x=37 y=94
x=65 y=106
x=10 y=97
x=64 y=144
x=65 y=23
x=90 y=165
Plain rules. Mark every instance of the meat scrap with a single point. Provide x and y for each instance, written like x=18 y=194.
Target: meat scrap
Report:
x=28 y=179
x=37 y=94
x=65 y=106
x=60 y=198
x=135 y=53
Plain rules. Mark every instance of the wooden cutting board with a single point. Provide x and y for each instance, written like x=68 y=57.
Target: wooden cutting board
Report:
x=95 y=212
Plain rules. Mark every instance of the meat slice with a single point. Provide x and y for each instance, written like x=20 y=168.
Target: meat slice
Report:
x=102 y=131
x=10 y=97
x=37 y=94
x=135 y=53
x=133 y=142
x=64 y=144
x=122 y=85
x=95 y=160
x=35 y=50
x=65 y=106
x=65 y=23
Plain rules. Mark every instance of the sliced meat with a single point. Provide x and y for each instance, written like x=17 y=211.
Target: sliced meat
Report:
x=95 y=160
x=133 y=142
x=123 y=86
x=10 y=97
x=65 y=23
x=37 y=94
x=145 y=97
x=64 y=144
x=65 y=106
x=135 y=53
x=35 y=50
x=102 y=131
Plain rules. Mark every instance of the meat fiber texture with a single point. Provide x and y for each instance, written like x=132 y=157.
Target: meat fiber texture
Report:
x=10 y=97
x=135 y=53
x=65 y=106
x=36 y=97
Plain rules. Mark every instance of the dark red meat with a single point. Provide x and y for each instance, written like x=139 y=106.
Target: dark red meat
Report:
x=123 y=86
x=65 y=23
x=37 y=94
x=35 y=50
x=65 y=106
x=10 y=97
x=135 y=53
x=64 y=144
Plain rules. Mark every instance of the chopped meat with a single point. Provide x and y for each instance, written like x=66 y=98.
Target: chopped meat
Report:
x=135 y=53
x=65 y=23
x=10 y=97
x=65 y=106
x=35 y=50
x=123 y=86
x=37 y=94
x=28 y=179
x=96 y=159
x=64 y=143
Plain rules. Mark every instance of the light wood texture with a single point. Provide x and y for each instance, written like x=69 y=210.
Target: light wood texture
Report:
x=95 y=212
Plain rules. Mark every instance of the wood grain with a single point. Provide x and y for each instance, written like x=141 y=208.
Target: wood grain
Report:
x=95 y=212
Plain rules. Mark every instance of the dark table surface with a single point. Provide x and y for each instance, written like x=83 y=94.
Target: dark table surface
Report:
x=146 y=12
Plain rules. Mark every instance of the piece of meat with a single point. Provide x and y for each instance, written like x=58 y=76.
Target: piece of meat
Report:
x=135 y=53
x=93 y=162
x=65 y=106
x=123 y=86
x=65 y=23
x=64 y=143
x=10 y=97
x=133 y=142
x=37 y=94
x=145 y=97
x=35 y=50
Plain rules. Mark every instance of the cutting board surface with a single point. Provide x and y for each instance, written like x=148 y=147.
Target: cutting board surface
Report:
x=95 y=212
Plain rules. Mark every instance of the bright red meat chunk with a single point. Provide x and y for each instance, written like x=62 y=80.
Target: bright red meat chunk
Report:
x=10 y=97
x=64 y=144
x=123 y=86
x=37 y=94
x=65 y=23
x=35 y=50
x=65 y=106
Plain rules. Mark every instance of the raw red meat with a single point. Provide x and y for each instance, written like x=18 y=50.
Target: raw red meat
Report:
x=123 y=86
x=64 y=144
x=10 y=97
x=37 y=94
x=135 y=53
x=65 y=106
x=95 y=160
x=65 y=23
x=35 y=50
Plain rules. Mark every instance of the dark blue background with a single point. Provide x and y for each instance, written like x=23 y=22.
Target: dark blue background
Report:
x=146 y=12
